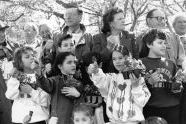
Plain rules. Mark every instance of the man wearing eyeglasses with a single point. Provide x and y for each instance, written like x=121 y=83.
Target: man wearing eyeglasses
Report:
x=5 y=104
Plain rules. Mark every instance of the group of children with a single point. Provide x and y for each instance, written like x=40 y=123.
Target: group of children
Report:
x=137 y=90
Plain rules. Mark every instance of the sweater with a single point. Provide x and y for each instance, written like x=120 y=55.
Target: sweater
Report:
x=124 y=103
x=161 y=96
x=37 y=101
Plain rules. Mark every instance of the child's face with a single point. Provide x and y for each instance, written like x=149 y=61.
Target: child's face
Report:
x=118 y=60
x=28 y=59
x=67 y=46
x=81 y=118
x=157 y=48
x=68 y=66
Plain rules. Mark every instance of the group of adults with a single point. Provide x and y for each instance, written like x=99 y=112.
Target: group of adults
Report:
x=112 y=31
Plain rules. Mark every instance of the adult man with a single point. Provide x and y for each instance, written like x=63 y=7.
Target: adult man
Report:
x=179 y=25
x=174 y=47
x=82 y=39
x=5 y=104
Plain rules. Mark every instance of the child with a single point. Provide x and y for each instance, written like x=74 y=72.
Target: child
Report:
x=83 y=114
x=64 y=89
x=164 y=101
x=22 y=88
x=66 y=44
x=91 y=94
x=125 y=95
x=154 y=120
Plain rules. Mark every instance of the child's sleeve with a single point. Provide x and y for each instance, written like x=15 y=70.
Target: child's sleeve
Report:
x=40 y=97
x=12 y=89
x=141 y=93
x=102 y=81
x=47 y=84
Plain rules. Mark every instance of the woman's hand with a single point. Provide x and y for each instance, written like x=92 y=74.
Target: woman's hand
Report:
x=70 y=91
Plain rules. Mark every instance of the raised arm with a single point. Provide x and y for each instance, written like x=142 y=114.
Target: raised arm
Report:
x=12 y=89
x=47 y=84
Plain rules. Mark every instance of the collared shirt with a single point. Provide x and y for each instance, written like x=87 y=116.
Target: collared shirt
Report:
x=76 y=36
x=183 y=39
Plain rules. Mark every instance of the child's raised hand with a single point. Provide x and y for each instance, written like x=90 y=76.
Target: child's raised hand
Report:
x=93 y=68
x=134 y=80
x=70 y=91
x=48 y=67
x=25 y=88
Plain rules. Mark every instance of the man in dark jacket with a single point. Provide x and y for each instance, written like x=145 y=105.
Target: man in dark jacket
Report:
x=82 y=39
x=5 y=104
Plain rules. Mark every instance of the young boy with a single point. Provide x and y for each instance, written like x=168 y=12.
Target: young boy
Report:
x=66 y=44
x=164 y=102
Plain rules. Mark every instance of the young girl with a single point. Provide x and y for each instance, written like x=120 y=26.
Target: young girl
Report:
x=22 y=88
x=164 y=101
x=83 y=114
x=125 y=93
x=64 y=89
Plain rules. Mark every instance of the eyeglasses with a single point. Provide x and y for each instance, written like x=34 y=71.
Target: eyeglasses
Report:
x=159 y=18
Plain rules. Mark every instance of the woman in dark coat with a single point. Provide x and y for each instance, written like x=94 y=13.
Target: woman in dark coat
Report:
x=113 y=32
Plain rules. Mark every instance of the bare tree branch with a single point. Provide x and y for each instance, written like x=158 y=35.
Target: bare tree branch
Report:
x=183 y=9
x=132 y=7
x=71 y=4
x=17 y=18
x=125 y=7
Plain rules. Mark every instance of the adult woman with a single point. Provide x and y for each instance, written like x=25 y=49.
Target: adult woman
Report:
x=113 y=31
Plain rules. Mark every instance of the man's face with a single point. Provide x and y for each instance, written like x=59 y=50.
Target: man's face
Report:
x=180 y=25
x=72 y=17
x=157 y=20
x=2 y=35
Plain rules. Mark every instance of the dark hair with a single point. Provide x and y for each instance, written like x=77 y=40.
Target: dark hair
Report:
x=60 y=58
x=154 y=120
x=122 y=49
x=149 y=38
x=80 y=12
x=150 y=14
x=62 y=38
x=18 y=64
x=88 y=110
x=109 y=17
x=88 y=59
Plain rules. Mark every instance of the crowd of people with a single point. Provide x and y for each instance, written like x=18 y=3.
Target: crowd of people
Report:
x=114 y=77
